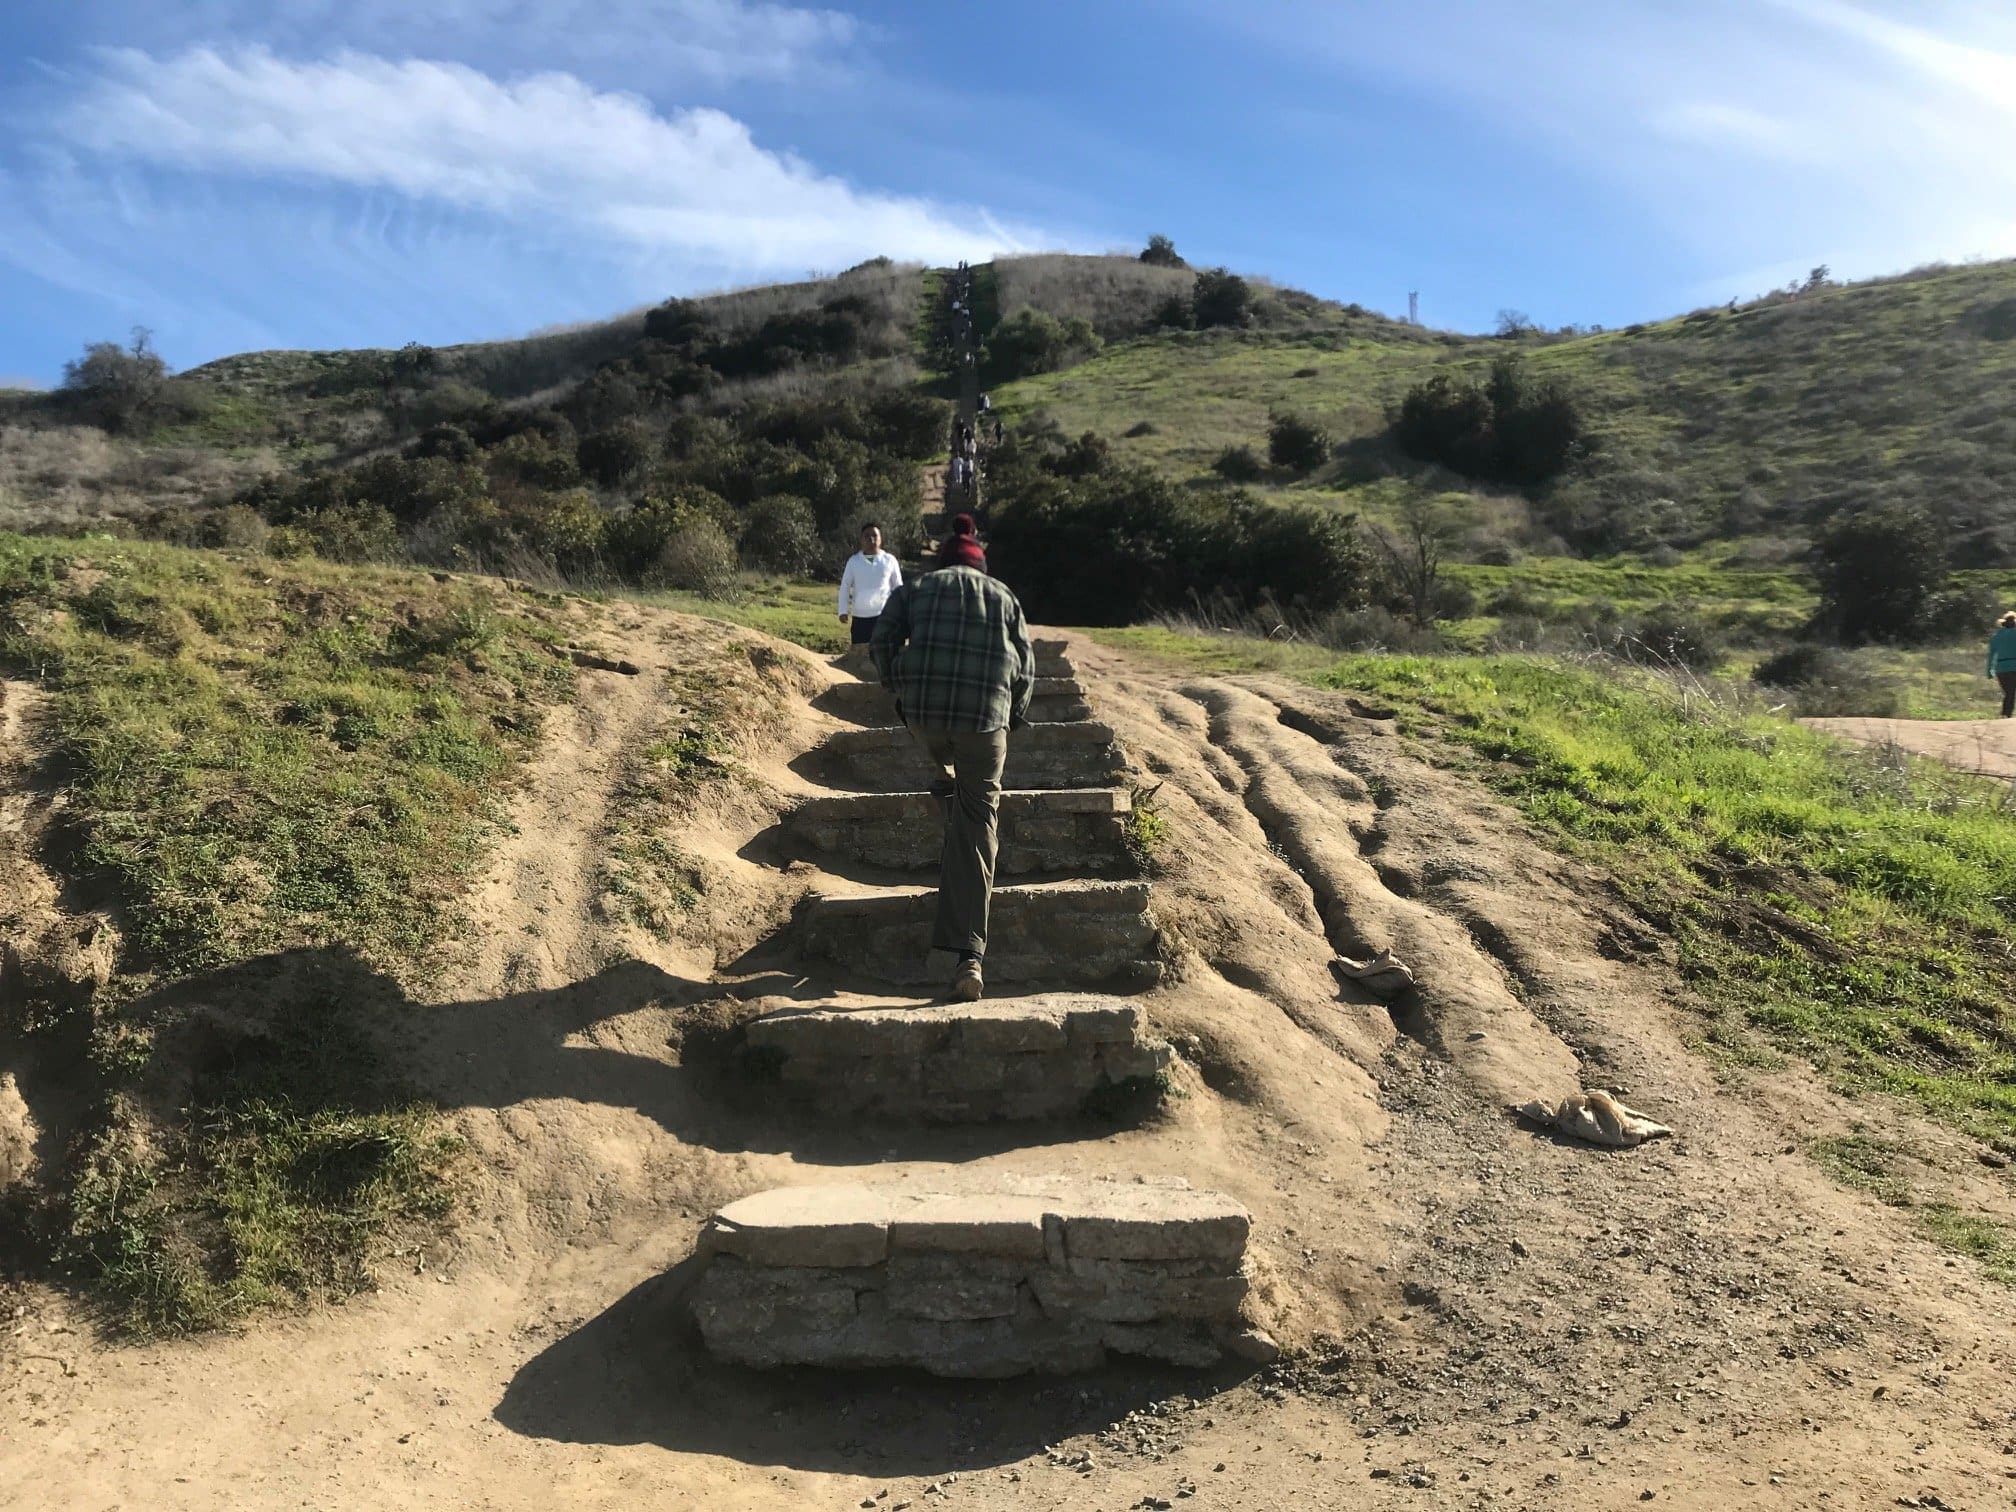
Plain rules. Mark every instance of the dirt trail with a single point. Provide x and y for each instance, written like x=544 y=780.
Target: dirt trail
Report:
x=1987 y=746
x=1483 y=1316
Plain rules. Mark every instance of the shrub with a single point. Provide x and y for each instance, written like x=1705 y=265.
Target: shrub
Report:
x=1173 y=313
x=1509 y=429
x=359 y=532
x=700 y=559
x=1161 y=253
x=449 y=442
x=1139 y=428
x=1880 y=572
x=567 y=529
x=1220 y=298
x=1121 y=544
x=636 y=539
x=779 y=534
x=1297 y=444
x=1796 y=666
x=1674 y=639
x=1238 y=464
x=1030 y=342
x=233 y=525
x=614 y=456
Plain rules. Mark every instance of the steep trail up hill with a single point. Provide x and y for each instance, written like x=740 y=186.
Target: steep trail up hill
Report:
x=1470 y=1308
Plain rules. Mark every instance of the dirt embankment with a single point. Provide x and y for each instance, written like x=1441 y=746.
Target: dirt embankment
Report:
x=1482 y=1316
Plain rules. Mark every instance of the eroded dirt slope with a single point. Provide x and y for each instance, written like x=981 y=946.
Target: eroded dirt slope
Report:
x=1477 y=1314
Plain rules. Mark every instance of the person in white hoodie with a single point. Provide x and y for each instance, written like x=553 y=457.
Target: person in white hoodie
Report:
x=872 y=575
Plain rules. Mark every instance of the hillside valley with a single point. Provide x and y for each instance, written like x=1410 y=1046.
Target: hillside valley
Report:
x=435 y=785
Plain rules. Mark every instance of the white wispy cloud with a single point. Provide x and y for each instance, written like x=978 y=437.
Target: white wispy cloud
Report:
x=543 y=150
x=1870 y=134
x=716 y=41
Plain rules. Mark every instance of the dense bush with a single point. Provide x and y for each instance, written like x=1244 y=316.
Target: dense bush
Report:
x=779 y=534
x=613 y=457
x=1120 y=544
x=1673 y=638
x=1297 y=444
x=1512 y=428
x=1238 y=464
x=1220 y=298
x=1797 y=665
x=1030 y=342
x=1880 y=572
x=698 y=558
x=1161 y=253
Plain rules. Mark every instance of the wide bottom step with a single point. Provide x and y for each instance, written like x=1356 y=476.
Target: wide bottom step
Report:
x=1050 y=1056
x=1030 y=1275
x=1087 y=934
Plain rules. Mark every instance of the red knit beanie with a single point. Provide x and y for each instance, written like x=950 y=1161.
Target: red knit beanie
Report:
x=962 y=547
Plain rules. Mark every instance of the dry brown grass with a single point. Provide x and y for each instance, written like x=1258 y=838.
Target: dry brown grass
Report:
x=71 y=475
x=1119 y=295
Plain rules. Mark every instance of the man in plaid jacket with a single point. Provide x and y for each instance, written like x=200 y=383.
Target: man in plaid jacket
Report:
x=954 y=649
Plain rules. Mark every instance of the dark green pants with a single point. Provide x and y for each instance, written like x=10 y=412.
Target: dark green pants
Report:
x=969 y=766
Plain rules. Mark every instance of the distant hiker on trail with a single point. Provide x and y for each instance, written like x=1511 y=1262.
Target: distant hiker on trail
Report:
x=2002 y=661
x=986 y=404
x=872 y=575
x=955 y=651
x=997 y=432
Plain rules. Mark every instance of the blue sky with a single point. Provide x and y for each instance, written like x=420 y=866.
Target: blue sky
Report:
x=239 y=174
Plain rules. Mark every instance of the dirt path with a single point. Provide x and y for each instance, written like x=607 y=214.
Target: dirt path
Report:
x=1481 y=1316
x=1987 y=746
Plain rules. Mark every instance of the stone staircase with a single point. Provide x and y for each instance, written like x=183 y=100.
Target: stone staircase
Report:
x=982 y=1277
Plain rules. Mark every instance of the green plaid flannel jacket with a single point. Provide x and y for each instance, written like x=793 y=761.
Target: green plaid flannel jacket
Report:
x=954 y=649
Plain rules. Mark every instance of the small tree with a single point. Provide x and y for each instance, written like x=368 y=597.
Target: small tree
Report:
x=1513 y=323
x=119 y=387
x=1880 y=573
x=1173 y=313
x=1415 y=553
x=1220 y=298
x=1297 y=444
x=1161 y=253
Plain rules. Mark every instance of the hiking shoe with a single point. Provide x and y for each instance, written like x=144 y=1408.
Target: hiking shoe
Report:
x=966 y=982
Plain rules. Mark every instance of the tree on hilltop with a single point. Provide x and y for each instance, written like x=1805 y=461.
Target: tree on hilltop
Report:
x=1161 y=253
x=120 y=387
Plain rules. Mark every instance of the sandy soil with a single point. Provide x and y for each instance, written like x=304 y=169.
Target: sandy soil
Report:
x=1478 y=1315
x=1987 y=746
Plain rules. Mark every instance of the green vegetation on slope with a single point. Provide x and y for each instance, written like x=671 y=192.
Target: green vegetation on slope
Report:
x=1849 y=909
x=266 y=763
x=1723 y=424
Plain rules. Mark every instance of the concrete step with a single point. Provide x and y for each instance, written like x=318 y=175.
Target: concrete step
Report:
x=1020 y=1058
x=1053 y=658
x=1084 y=934
x=1025 y=1275
x=1055 y=700
x=1064 y=831
x=1076 y=754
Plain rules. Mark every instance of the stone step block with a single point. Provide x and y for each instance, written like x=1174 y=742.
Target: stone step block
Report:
x=1085 y=934
x=1056 y=700
x=1021 y=1058
x=1079 y=754
x=1023 y=1275
x=1074 y=831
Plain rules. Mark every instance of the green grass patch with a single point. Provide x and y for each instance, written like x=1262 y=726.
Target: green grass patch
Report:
x=262 y=758
x=793 y=610
x=265 y=754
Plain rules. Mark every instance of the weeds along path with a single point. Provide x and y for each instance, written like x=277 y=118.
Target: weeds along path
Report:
x=1473 y=1310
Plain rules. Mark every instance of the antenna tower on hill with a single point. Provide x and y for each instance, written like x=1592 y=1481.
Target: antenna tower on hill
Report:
x=1413 y=307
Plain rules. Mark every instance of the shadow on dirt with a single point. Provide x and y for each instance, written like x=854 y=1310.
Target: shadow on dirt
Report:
x=637 y=1374
x=631 y=1036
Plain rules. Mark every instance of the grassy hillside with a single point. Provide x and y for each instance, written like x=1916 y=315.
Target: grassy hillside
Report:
x=1723 y=424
